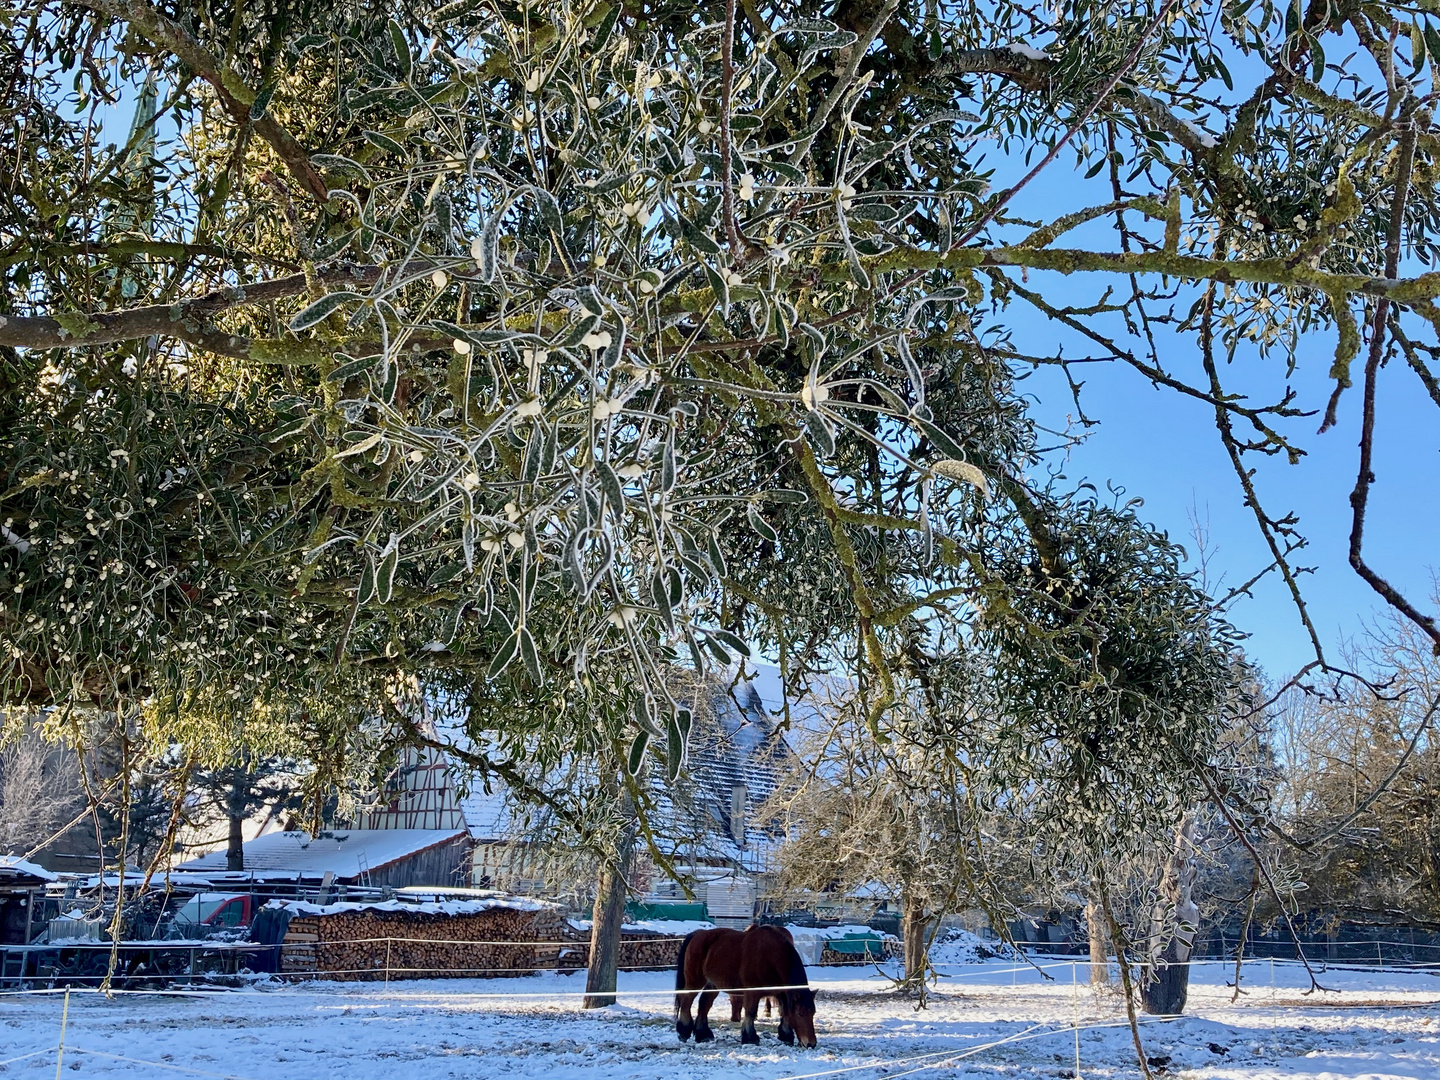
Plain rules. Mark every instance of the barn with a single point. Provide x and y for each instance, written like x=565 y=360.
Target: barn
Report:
x=709 y=824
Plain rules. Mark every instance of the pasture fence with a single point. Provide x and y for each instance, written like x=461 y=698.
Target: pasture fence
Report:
x=288 y=983
x=384 y=958
x=68 y=1043
x=395 y=956
x=909 y=1065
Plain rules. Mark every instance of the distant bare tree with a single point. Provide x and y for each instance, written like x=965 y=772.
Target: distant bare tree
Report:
x=1360 y=798
x=866 y=814
x=39 y=791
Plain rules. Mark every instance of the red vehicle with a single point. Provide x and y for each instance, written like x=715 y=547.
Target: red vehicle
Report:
x=217 y=909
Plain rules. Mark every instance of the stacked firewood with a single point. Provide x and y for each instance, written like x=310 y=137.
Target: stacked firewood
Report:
x=641 y=951
x=397 y=943
x=351 y=941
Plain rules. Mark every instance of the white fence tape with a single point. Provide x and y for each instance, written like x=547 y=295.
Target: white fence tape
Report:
x=977 y=971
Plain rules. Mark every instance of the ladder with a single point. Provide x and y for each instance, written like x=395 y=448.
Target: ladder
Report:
x=364 y=862
x=12 y=966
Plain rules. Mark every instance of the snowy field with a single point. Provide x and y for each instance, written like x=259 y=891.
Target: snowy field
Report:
x=986 y=1021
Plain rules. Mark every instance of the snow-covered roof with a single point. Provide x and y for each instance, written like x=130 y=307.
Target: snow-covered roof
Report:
x=833 y=933
x=132 y=880
x=811 y=709
x=417 y=894
x=14 y=870
x=735 y=740
x=434 y=907
x=346 y=852
x=489 y=814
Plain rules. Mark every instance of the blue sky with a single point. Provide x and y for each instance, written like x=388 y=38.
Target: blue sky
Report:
x=1163 y=448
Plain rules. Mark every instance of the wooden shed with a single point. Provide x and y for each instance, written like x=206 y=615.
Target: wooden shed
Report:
x=22 y=889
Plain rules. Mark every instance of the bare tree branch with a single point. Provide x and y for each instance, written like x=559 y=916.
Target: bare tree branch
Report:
x=1125 y=65
x=1417 y=365
x=1264 y=872
x=1268 y=527
x=1035 y=73
x=1360 y=497
x=1380 y=789
x=1156 y=375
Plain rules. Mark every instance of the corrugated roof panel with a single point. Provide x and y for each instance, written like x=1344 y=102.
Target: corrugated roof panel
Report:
x=339 y=851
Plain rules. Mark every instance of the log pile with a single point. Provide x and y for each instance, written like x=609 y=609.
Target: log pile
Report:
x=394 y=941
x=433 y=941
x=645 y=951
x=640 y=950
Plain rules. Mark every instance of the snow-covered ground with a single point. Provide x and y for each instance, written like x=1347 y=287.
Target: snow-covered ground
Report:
x=986 y=1021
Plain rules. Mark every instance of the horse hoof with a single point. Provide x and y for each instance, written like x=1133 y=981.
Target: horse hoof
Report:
x=787 y=1037
x=704 y=1036
x=749 y=1038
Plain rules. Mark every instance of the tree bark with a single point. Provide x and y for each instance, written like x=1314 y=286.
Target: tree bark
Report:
x=609 y=920
x=916 y=922
x=236 y=805
x=1165 y=980
x=1127 y=986
x=184 y=319
x=1099 y=941
x=235 y=844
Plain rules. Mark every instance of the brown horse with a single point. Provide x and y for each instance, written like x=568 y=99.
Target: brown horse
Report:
x=737 y=999
x=757 y=963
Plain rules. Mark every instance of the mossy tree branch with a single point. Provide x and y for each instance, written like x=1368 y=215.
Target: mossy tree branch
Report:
x=234 y=97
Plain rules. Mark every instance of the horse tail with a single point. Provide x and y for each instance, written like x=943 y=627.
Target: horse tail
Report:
x=680 y=961
x=683 y=1027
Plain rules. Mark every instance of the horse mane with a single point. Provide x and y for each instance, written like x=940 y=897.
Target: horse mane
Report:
x=796 y=977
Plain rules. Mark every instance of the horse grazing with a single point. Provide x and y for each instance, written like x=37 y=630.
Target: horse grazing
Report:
x=737 y=999
x=749 y=962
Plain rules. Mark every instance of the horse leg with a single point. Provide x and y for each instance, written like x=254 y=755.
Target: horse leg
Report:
x=748 y=1034
x=684 y=1023
x=786 y=1032
x=702 y=1019
x=736 y=1001
x=768 y=1002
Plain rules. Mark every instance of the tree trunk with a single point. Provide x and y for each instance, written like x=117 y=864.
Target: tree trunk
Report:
x=916 y=922
x=235 y=844
x=237 y=807
x=1099 y=941
x=1165 y=981
x=609 y=921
